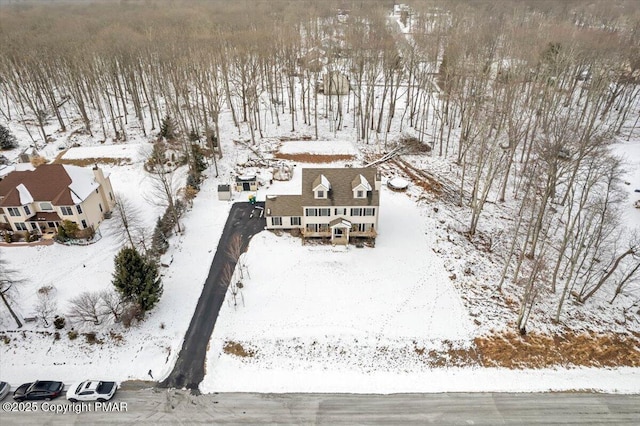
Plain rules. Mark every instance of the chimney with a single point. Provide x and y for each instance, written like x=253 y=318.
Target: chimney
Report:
x=97 y=172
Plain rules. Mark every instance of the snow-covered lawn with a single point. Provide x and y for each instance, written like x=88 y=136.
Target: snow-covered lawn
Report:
x=339 y=147
x=317 y=318
x=301 y=300
x=133 y=151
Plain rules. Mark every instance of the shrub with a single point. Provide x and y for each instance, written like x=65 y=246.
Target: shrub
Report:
x=73 y=335
x=91 y=338
x=59 y=322
x=56 y=336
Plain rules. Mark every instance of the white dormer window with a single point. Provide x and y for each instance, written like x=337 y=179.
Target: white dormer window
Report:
x=360 y=186
x=321 y=187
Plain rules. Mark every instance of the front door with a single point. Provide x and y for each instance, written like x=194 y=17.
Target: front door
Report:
x=246 y=186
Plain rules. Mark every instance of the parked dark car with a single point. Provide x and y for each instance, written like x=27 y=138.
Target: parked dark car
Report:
x=38 y=390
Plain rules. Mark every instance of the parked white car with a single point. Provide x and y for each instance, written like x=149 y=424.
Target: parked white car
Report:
x=92 y=390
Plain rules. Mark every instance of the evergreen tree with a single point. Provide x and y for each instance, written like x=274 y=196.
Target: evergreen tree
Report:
x=199 y=163
x=168 y=128
x=137 y=279
x=7 y=139
x=159 y=242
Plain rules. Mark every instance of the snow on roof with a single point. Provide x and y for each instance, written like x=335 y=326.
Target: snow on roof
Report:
x=6 y=170
x=82 y=183
x=364 y=182
x=25 y=195
x=325 y=182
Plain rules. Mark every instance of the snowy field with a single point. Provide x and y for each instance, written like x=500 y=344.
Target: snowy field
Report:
x=319 y=147
x=133 y=151
x=317 y=318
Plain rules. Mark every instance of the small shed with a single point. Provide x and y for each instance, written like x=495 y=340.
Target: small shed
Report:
x=224 y=192
x=246 y=183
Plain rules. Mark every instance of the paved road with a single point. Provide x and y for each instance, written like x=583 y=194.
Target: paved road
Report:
x=169 y=406
x=188 y=371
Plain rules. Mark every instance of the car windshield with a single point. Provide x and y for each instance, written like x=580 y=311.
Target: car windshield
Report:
x=79 y=388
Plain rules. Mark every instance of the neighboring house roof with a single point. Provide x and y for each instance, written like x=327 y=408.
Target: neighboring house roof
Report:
x=45 y=217
x=341 y=193
x=283 y=205
x=224 y=188
x=59 y=184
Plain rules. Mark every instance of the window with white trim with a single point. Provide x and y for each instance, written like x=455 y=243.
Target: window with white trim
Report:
x=21 y=226
x=84 y=224
x=46 y=206
x=66 y=211
x=13 y=211
x=359 y=194
x=369 y=211
x=79 y=209
x=341 y=211
x=295 y=221
x=324 y=212
x=357 y=211
x=311 y=212
x=276 y=221
x=320 y=193
x=27 y=210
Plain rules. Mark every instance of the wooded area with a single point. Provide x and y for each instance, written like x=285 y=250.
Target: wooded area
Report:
x=523 y=96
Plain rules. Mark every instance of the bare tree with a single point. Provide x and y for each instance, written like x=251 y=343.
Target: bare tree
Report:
x=85 y=308
x=8 y=283
x=130 y=226
x=165 y=185
x=112 y=303
x=46 y=305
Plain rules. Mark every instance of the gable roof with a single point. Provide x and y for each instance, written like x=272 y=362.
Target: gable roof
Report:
x=322 y=180
x=341 y=193
x=360 y=181
x=59 y=184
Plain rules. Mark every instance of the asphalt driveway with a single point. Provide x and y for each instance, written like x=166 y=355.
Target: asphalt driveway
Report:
x=188 y=371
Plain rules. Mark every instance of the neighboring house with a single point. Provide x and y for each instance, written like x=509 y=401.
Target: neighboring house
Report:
x=340 y=203
x=41 y=199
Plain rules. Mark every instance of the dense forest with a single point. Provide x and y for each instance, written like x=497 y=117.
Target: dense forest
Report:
x=523 y=96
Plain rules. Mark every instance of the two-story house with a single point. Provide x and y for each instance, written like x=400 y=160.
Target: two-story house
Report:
x=339 y=203
x=39 y=200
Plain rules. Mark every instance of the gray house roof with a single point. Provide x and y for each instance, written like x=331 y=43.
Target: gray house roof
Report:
x=283 y=205
x=342 y=181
